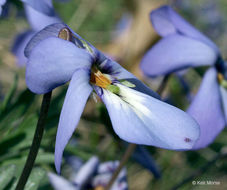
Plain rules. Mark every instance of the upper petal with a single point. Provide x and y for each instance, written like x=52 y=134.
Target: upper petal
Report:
x=142 y=119
x=75 y=100
x=166 y=21
x=43 y=6
x=176 y=52
x=206 y=109
x=52 y=63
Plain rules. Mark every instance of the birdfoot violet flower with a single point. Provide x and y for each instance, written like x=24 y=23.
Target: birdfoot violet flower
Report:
x=57 y=54
x=183 y=46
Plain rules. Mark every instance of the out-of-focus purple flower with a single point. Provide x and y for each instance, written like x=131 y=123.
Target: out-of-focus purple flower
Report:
x=57 y=54
x=2 y=2
x=39 y=14
x=183 y=46
x=92 y=175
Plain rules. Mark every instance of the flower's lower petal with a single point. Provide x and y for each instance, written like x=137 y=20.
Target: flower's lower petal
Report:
x=142 y=119
x=224 y=101
x=86 y=171
x=19 y=46
x=52 y=63
x=176 y=52
x=38 y=20
x=60 y=183
x=166 y=22
x=206 y=109
x=75 y=100
x=43 y=6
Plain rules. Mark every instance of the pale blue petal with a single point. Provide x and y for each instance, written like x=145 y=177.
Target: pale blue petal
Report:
x=176 y=52
x=206 y=109
x=60 y=183
x=166 y=21
x=75 y=100
x=52 y=63
x=142 y=119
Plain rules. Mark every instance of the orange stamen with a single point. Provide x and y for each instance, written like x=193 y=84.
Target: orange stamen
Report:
x=99 y=79
x=220 y=77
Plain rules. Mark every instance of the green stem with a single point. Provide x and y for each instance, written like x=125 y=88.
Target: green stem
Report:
x=35 y=143
x=129 y=151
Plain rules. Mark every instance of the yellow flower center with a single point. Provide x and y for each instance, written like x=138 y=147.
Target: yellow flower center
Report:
x=220 y=77
x=99 y=79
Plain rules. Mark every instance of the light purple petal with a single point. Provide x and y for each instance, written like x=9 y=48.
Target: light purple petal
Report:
x=43 y=6
x=176 y=52
x=86 y=171
x=19 y=45
x=38 y=20
x=75 y=100
x=52 y=63
x=206 y=109
x=60 y=183
x=224 y=100
x=142 y=119
x=166 y=21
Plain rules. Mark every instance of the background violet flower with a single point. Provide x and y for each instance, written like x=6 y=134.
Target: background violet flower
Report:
x=183 y=46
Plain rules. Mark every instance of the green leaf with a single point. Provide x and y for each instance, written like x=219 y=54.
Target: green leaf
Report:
x=6 y=175
x=33 y=181
x=9 y=95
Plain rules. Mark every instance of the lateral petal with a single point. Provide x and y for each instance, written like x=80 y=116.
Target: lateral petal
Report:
x=75 y=101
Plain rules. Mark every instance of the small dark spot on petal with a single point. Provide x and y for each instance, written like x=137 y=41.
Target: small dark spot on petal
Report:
x=187 y=139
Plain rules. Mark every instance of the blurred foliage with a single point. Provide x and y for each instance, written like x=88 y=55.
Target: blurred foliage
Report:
x=19 y=108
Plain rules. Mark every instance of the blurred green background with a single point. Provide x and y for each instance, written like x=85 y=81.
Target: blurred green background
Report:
x=121 y=28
